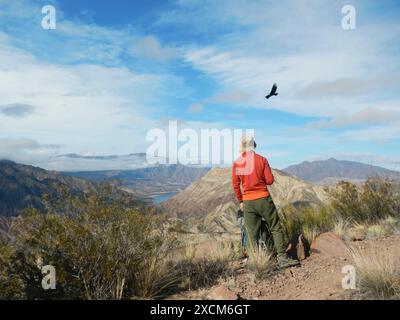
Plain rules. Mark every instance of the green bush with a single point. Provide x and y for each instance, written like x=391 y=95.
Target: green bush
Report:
x=346 y=201
x=203 y=272
x=374 y=200
x=100 y=251
x=308 y=221
x=291 y=222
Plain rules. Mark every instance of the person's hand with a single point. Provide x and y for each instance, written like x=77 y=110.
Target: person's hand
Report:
x=241 y=206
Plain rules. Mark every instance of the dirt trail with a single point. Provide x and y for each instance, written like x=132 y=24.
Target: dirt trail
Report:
x=318 y=278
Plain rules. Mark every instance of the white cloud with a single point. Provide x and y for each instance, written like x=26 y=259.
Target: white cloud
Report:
x=76 y=162
x=234 y=96
x=26 y=150
x=368 y=116
x=378 y=134
x=150 y=48
x=350 y=86
x=345 y=78
x=321 y=70
x=82 y=107
x=17 y=110
x=88 y=102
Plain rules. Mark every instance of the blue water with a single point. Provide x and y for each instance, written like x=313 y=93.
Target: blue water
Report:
x=163 y=197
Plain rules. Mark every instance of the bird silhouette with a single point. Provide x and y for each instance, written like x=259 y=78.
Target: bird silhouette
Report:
x=273 y=91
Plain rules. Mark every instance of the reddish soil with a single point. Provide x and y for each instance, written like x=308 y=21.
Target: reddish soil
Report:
x=318 y=278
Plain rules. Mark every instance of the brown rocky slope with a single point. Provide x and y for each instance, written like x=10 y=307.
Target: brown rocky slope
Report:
x=208 y=205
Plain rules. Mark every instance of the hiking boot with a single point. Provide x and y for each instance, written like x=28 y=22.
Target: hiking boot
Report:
x=284 y=261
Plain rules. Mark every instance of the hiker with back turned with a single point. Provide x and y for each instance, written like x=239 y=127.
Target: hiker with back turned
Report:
x=251 y=176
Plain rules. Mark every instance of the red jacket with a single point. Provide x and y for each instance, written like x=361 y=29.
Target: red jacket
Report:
x=253 y=172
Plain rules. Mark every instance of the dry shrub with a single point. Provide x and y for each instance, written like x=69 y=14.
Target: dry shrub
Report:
x=341 y=227
x=375 y=200
x=261 y=261
x=100 y=250
x=357 y=231
x=378 y=272
x=308 y=221
x=202 y=272
x=391 y=224
x=222 y=250
x=377 y=231
x=190 y=252
x=381 y=229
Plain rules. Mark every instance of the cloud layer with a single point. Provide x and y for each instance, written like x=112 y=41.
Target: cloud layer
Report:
x=96 y=89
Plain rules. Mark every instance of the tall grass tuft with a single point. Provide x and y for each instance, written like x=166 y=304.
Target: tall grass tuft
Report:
x=341 y=227
x=378 y=273
x=261 y=261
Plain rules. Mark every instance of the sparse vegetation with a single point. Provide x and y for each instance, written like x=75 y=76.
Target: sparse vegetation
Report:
x=197 y=271
x=355 y=213
x=357 y=231
x=261 y=261
x=370 y=211
x=101 y=250
x=308 y=221
x=223 y=250
x=391 y=224
x=374 y=200
x=202 y=272
x=341 y=227
x=376 y=231
x=378 y=273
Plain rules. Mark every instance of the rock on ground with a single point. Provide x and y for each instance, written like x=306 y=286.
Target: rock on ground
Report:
x=329 y=244
x=222 y=293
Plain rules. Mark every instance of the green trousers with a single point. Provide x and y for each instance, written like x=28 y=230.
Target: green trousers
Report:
x=254 y=211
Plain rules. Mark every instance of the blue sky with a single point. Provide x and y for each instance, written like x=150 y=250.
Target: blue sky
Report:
x=112 y=70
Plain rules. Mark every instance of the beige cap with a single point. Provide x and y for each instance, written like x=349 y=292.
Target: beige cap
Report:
x=247 y=144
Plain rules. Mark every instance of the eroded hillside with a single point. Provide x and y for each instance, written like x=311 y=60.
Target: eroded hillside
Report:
x=209 y=205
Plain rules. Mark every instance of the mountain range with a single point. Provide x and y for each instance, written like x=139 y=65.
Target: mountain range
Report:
x=208 y=205
x=23 y=186
x=330 y=171
x=150 y=180
x=205 y=196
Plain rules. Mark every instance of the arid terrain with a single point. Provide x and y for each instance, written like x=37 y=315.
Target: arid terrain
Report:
x=188 y=247
x=319 y=277
x=208 y=205
x=207 y=211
